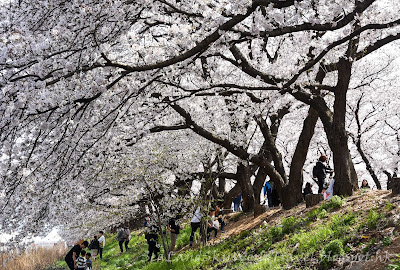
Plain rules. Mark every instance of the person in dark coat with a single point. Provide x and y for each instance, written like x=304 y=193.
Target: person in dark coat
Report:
x=151 y=236
x=94 y=247
x=320 y=170
x=307 y=190
x=364 y=184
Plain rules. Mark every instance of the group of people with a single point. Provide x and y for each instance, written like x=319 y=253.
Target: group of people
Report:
x=214 y=222
x=152 y=232
x=271 y=196
x=78 y=258
x=320 y=171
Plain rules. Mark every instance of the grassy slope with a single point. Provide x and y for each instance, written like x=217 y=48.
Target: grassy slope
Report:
x=306 y=240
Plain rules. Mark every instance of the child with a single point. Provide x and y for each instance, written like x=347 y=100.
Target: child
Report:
x=81 y=261
x=88 y=261
x=218 y=215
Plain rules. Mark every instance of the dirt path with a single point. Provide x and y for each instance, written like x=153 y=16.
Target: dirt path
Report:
x=361 y=202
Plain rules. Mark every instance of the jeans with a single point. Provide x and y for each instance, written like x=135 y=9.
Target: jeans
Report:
x=152 y=249
x=222 y=222
x=126 y=244
x=121 y=243
x=194 y=226
x=321 y=182
x=101 y=253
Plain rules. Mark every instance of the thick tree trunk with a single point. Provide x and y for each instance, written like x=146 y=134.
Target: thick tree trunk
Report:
x=228 y=198
x=258 y=185
x=292 y=193
x=345 y=177
x=395 y=185
x=389 y=179
x=313 y=199
x=244 y=174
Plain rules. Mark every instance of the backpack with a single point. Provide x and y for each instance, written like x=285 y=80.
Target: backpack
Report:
x=125 y=234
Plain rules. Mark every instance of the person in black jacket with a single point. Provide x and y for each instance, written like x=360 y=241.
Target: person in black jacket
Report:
x=307 y=190
x=320 y=170
x=73 y=255
x=173 y=227
x=151 y=236
x=94 y=247
x=364 y=184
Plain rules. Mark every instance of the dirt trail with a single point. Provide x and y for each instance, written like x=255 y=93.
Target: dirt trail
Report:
x=361 y=202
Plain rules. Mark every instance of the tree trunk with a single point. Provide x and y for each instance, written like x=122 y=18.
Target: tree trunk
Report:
x=313 y=199
x=389 y=180
x=292 y=193
x=243 y=172
x=258 y=185
x=228 y=198
x=345 y=177
x=395 y=185
x=368 y=165
x=221 y=186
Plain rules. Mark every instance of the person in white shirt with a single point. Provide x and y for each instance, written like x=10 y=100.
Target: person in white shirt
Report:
x=195 y=224
x=102 y=243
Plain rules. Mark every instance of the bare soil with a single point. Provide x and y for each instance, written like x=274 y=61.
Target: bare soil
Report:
x=361 y=202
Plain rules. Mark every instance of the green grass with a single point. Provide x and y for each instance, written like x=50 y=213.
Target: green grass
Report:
x=318 y=236
x=373 y=218
x=334 y=203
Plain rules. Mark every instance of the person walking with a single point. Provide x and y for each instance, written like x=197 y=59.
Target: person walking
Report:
x=320 y=170
x=122 y=236
x=267 y=193
x=173 y=228
x=73 y=254
x=151 y=236
x=195 y=224
x=128 y=233
x=102 y=243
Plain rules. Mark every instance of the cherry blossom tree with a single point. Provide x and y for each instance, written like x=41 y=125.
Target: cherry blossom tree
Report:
x=83 y=82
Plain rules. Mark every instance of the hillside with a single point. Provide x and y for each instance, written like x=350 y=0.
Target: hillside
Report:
x=359 y=232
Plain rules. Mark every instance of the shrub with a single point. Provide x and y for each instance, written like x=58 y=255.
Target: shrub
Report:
x=322 y=214
x=332 y=250
x=373 y=219
x=334 y=203
x=276 y=233
x=244 y=234
x=289 y=224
